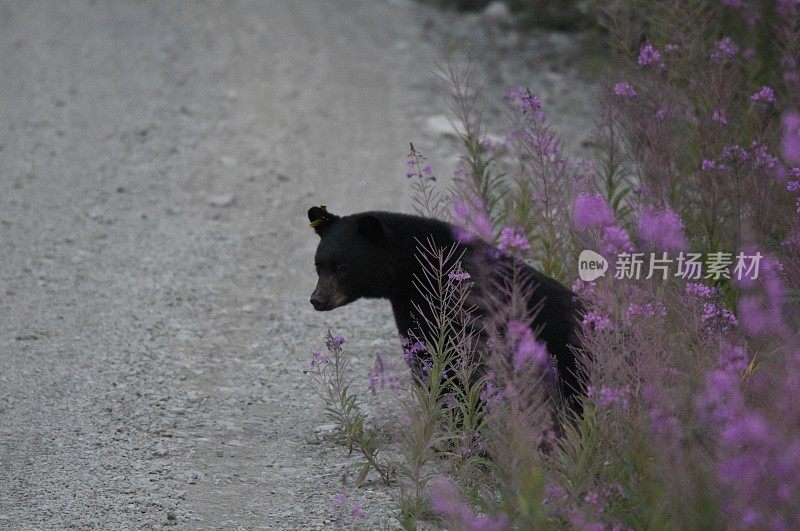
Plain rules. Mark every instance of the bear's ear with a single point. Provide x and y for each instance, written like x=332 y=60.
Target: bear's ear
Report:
x=371 y=228
x=320 y=218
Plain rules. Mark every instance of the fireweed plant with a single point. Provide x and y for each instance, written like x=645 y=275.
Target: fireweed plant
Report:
x=690 y=418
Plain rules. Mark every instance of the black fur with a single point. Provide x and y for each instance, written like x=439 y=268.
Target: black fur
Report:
x=372 y=255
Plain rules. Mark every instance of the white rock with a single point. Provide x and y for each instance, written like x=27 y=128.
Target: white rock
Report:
x=498 y=13
x=440 y=125
x=221 y=201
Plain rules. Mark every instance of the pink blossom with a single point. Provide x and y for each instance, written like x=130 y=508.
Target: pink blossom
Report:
x=790 y=142
x=662 y=229
x=650 y=56
x=765 y=94
x=591 y=211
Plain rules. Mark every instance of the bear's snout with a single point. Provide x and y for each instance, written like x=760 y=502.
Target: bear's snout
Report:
x=317 y=302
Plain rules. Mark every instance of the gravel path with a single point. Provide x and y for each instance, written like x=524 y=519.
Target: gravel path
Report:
x=156 y=163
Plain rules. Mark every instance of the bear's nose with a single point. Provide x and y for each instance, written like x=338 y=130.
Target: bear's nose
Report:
x=316 y=302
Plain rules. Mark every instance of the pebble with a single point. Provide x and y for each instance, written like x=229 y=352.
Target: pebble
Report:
x=221 y=201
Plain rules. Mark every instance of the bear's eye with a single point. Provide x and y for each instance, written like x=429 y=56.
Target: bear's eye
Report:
x=343 y=268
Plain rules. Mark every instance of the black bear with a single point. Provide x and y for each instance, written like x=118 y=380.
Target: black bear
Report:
x=372 y=255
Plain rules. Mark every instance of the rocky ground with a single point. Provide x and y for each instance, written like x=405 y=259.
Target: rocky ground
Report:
x=156 y=163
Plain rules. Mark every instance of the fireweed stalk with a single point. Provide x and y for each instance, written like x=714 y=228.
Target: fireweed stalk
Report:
x=445 y=418
x=341 y=406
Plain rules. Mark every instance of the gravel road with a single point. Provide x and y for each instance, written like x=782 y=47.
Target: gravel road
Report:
x=156 y=163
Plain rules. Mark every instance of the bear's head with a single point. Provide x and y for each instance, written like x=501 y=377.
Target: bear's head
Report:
x=352 y=259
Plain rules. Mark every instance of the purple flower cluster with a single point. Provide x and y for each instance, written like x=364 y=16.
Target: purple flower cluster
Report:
x=526 y=347
x=758 y=459
x=341 y=505
x=735 y=153
x=513 y=239
x=417 y=166
x=662 y=229
x=595 y=322
x=710 y=165
x=794 y=186
x=334 y=342
x=663 y=419
x=761 y=310
x=410 y=350
x=606 y=397
x=718 y=319
x=624 y=89
x=615 y=240
x=762 y=158
x=725 y=48
x=719 y=117
x=459 y=275
x=446 y=501
x=590 y=211
x=526 y=102
x=650 y=56
x=319 y=358
x=765 y=94
x=649 y=309
x=790 y=141
x=382 y=376
x=470 y=220
x=701 y=291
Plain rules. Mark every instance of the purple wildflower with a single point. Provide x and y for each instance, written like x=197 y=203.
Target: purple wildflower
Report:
x=511 y=238
x=663 y=229
x=733 y=359
x=445 y=501
x=595 y=322
x=765 y=94
x=625 y=90
x=650 y=309
x=410 y=350
x=530 y=349
x=650 y=56
x=471 y=220
x=719 y=117
x=334 y=342
x=530 y=103
x=339 y=502
x=357 y=511
x=735 y=153
x=663 y=420
x=319 y=358
x=591 y=211
x=606 y=397
x=701 y=291
x=725 y=48
x=382 y=376
x=615 y=240
x=459 y=275
x=710 y=165
x=790 y=142
x=717 y=318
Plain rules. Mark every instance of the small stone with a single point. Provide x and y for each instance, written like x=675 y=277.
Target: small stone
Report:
x=440 y=125
x=498 y=13
x=221 y=201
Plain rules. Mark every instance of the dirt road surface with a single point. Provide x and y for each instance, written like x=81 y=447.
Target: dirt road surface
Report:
x=156 y=163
